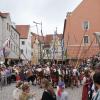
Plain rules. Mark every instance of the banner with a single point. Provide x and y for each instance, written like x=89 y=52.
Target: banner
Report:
x=6 y=43
x=2 y=59
x=6 y=49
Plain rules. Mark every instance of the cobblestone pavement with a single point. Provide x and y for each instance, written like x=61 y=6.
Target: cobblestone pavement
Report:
x=6 y=92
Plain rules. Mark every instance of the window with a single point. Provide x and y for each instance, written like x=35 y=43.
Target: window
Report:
x=31 y=53
x=26 y=50
x=85 y=25
x=16 y=36
x=48 y=51
x=7 y=26
x=23 y=42
x=32 y=45
x=11 y=46
x=14 y=48
x=21 y=51
x=11 y=32
x=86 y=39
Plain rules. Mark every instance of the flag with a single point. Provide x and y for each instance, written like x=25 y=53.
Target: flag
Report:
x=1 y=53
x=2 y=59
x=6 y=49
x=6 y=43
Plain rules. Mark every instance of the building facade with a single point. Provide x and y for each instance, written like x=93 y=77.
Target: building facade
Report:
x=79 y=27
x=25 y=42
x=9 y=39
x=1 y=39
x=53 y=48
x=47 y=48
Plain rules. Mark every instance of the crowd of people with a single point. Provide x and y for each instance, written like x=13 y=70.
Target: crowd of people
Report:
x=91 y=79
x=55 y=76
x=69 y=74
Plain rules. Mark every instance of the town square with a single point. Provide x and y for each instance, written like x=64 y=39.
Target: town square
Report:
x=49 y=49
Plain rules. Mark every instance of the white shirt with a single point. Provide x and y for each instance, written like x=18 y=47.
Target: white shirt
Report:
x=74 y=72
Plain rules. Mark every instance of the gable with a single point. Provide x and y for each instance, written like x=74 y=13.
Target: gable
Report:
x=23 y=30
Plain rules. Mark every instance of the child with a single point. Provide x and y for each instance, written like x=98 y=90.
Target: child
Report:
x=26 y=95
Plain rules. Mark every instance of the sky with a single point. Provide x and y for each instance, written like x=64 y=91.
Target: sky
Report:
x=50 y=12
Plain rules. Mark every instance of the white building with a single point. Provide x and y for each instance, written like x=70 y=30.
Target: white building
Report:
x=9 y=39
x=25 y=42
x=1 y=39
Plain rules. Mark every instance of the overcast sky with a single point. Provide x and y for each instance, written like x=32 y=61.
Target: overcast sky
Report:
x=51 y=12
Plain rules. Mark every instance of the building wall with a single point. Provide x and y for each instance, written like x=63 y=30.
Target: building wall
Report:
x=24 y=48
x=1 y=42
x=27 y=48
x=0 y=31
x=88 y=10
x=58 y=50
x=14 y=44
x=10 y=38
x=36 y=51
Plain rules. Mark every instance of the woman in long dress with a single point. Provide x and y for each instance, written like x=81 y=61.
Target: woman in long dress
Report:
x=86 y=84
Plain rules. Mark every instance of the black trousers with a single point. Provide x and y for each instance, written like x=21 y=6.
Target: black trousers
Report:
x=31 y=78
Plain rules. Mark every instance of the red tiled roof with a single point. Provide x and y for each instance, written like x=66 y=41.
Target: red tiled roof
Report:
x=23 y=30
x=40 y=38
x=48 y=38
x=45 y=39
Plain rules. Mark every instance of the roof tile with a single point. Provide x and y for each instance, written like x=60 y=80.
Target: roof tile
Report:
x=23 y=30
